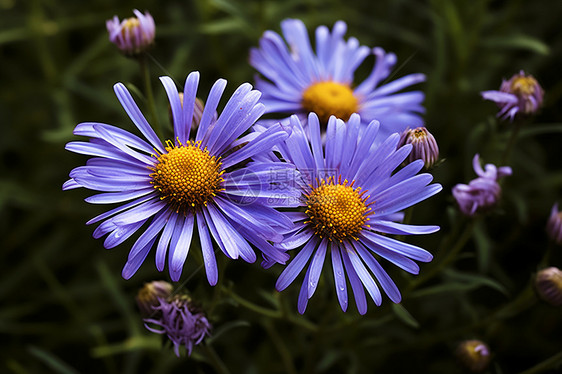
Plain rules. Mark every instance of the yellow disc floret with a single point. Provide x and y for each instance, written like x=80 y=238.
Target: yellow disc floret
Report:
x=337 y=210
x=187 y=176
x=524 y=85
x=131 y=23
x=330 y=98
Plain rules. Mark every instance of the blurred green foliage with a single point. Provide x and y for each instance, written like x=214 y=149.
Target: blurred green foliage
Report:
x=64 y=306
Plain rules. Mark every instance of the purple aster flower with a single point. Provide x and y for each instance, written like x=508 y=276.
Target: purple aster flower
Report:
x=520 y=95
x=132 y=35
x=424 y=145
x=554 y=225
x=352 y=198
x=482 y=193
x=192 y=181
x=300 y=80
x=181 y=321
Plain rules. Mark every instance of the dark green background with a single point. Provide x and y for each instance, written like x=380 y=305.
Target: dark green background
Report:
x=64 y=307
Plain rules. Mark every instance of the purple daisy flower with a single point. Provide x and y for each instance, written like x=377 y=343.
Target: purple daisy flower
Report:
x=181 y=321
x=189 y=182
x=520 y=95
x=352 y=200
x=482 y=193
x=300 y=80
x=132 y=35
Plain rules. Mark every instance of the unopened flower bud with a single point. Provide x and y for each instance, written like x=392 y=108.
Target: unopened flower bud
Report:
x=132 y=35
x=424 y=145
x=149 y=295
x=549 y=285
x=521 y=95
x=474 y=355
x=181 y=320
x=554 y=225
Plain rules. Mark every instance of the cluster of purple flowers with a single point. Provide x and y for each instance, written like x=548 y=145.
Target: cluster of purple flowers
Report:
x=348 y=145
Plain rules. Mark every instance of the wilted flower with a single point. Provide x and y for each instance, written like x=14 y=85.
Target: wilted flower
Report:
x=149 y=295
x=520 y=95
x=132 y=35
x=482 y=193
x=554 y=225
x=201 y=181
x=549 y=285
x=474 y=355
x=300 y=80
x=182 y=321
x=424 y=145
x=351 y=200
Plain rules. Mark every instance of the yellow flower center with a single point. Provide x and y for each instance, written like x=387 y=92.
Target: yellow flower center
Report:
x=337 y=210
x=131 y=23
x=330 y=98
x=187 y=177
x=523 y=85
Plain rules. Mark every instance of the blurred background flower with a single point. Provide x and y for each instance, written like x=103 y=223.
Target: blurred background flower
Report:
x=132 y=35
x=521 y=95
x=300 y=79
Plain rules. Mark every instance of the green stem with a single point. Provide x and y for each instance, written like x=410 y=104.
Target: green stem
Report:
x=215 y=360
x=451 y=255
x=511 y=142
x=145 y=73
x=253 y=307
x=284 y=353
x=297 y=320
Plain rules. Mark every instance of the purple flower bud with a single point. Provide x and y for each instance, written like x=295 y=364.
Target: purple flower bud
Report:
x=474 y=355
x=554 y=225
x=548 y=284
x=424 y=145
x=520 y=95
x=183 y=322
x=132 y=35
x=482 y=193
x=148 y=296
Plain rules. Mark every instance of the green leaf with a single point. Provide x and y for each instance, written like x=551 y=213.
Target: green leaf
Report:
x=517 y=41
x=539 y=129
x=225 y=328
x=404 y=315
x=474 y=280
x=52 y=361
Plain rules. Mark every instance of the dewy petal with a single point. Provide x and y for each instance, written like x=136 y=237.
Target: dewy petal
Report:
x=133 y=264
x=356 y=284
x=296 y=265
x=207 y=249
x=363 y=274
x=397 y=246
x=316 y=266
x=178 y=254
x=339 y=275
x=164 y=241
x=381 y=275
